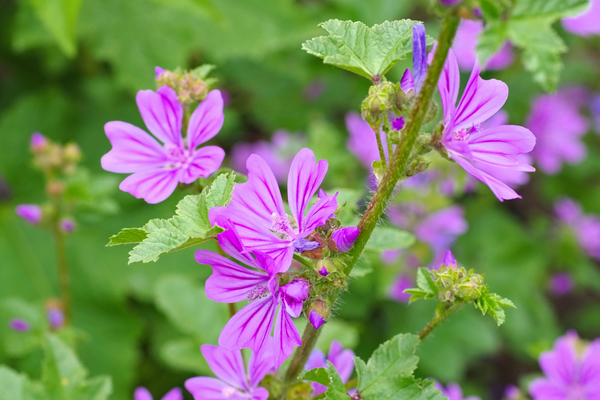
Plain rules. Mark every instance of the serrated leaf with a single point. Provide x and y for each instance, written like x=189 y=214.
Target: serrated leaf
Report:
x=325 y=376
x=366 y=51
x=405 y=388
x=549 y=8
x=425 y=281
x=221 y=190
x=388 y=238
x=491 y=303
x=59 y=18
x=394 y=359
x=127 y=236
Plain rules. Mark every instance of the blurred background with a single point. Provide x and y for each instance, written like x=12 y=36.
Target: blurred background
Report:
x=68 y=67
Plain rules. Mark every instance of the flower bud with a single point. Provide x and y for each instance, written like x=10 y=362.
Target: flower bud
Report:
x=380 y=98
x=344 y=238
x=31 y=213
x=38 y=142
x=325 y=267
x=19 y=325
x=67 y=225
x=398 y=124
x=56 y=317
x=318 y=313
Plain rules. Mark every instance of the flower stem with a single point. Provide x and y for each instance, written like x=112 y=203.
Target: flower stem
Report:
x=400 y=158
x=376 y=129
x=63 y=269
x=309 y=339
x=441 y=313
x=302 y=260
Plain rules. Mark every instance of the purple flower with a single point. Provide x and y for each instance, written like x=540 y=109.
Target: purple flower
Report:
x=278 y=153
x=419 y=57
x=561 y=283
x=450 y=2
x=512 y=392
x=315 y=318
x=585 y=24
x=465 y=44
x=56 y=318
x=158 y=168
x=362 y=142
x=441 y=228
x=344 y=238
x=231 y=283
x=397 y=289
x=453 y=392
x=31 y=213
x=19 y=325
x=585 y=227
x=38 y=142
x=464 y=139
x=256 y=208
x=232 y=382
x=570 y=373
x=314 y=90
x=398 y=124
x=158 y=71
x=141 y=393
x=342 y=359
x=558 y=127
x=449 y=259
x=67 y=225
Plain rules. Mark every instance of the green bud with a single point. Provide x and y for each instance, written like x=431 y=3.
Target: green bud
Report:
x=432 y=111
x=381 y=97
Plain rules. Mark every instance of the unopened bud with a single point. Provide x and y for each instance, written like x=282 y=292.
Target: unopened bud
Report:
x=72 y=153
x=325 y=267
x=38 y=142
x=318 y=313
x=344 y=238
x=67 y=225
x=380 y=98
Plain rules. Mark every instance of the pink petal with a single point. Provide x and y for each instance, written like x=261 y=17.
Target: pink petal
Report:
x=207 y=119
x=480 y=101
x=227 y=365
x=153 y=186
x=203 y=388
x=260 y=394
x=206 y=161
x=132 y=150
x=544 y=389
x=250 y=326
x=162 y=113
x=590 y=365
x=230 y=282
x=448 y=86
x=141 y=393
x=259 y=367
x=173 y=394
x=500 y=189
x=286 y=337
x=231 y=243
x=342 y=359
x=319 y=213
x=560 y=363
x=304 y=180
x=500 y=146
x=406 y=83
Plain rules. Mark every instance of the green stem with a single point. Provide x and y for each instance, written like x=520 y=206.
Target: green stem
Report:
x=309 y=340
x=303 y=261
x=376 y=129
x=441 y=313
x=399 y=160
x=63 y=269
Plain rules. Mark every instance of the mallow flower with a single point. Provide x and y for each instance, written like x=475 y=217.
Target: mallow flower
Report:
x=585 y=227
x=256 y=208
x=464 y=139
x=453 y=392
x=586 y=23
x=258 y=283
x=342 y=359
x=571 y=369
x=232 y=382
x=559 y=127
x=157 y=166
x=141 y=393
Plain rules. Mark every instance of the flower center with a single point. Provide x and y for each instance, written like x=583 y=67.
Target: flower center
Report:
x=283 y=226
x=179 y=155
x=463 y=134
x=257 y=292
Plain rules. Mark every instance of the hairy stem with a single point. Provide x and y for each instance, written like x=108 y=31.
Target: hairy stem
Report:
x=400 y=158
x=441 y=313
x=63 y=269
x=398 y=163
x=376 y=129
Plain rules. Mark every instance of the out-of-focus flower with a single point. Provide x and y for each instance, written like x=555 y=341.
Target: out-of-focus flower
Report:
x=450 y=2
x=585 y=24
x=585 y=227
x=232 y=382
x=256 y=208
x=362 y=142
x=19 y=325
x=56 y=317
x=464 y=139
x=397 y=289
x=314 y=90
x=572 y=371
x=38 y=142
x=141 y=393
x=561 y=283
x=344 y=238
x=440 y=229
x=31 y=213
x=465 y=44
x=512 y=393
x=595 y=110
x=453 y=392
x=558 y=127
x=231 y=283
x=67 y=225
x=278 y=153
x=342 y=359
x=157 y=168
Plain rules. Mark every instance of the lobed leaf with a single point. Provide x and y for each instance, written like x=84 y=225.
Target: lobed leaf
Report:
x=388 y=238
x=127 y=236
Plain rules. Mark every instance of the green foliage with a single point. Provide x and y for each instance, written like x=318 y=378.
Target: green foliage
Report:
x=492 y=304
x=328 y=377
x=530 y=28
x=388 y=238
x=60 y=19
x=14 y=386
x=426 y=288
x=389 y=372
x=190 y=225
x=366 y=51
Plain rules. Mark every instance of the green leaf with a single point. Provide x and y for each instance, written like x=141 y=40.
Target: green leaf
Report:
x=425 y=281
x=60 y=19
x=219 y=194
x=188 y=308
x=388 y=238
x=14 y=386
x=328 y=377
x=127 y=236
x=405 y=388
x=184 y=354
x=549 y=8
x=491 y=303
x=394 y=359
x=367 y=51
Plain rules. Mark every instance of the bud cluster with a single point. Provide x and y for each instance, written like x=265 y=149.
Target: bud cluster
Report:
x=456 y=283
x=190 y=86
x=52 y=158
